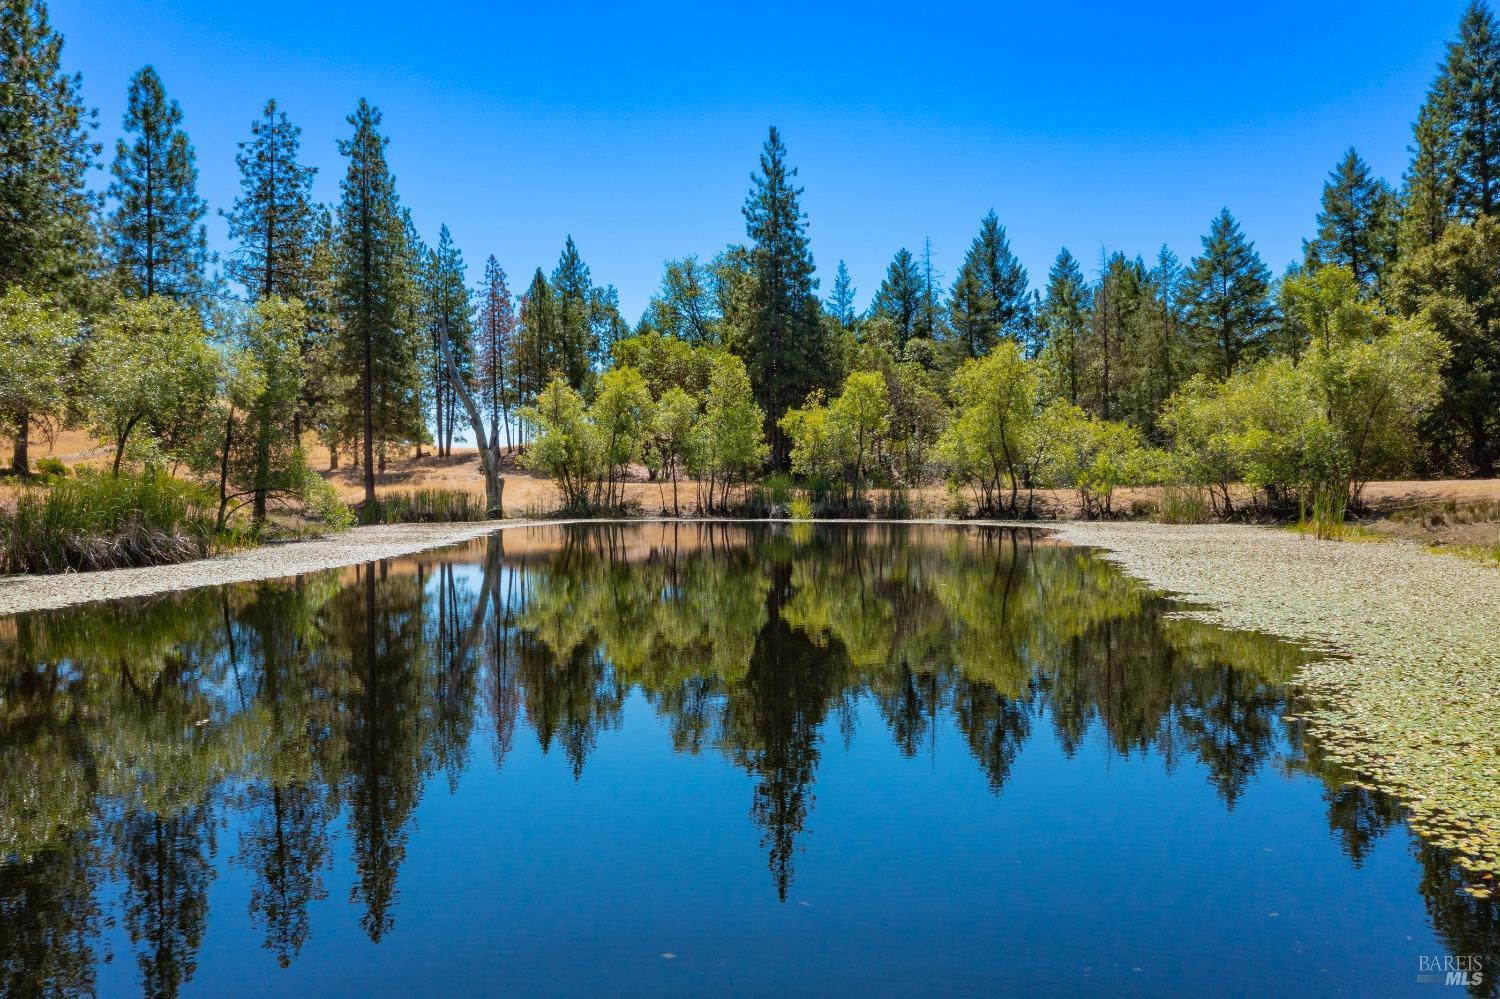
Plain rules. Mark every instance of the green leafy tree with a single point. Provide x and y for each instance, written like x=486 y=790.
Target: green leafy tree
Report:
x=684 y=307
x=565 y=447
x=1093 y=457
x=373 y=289
x=621 y=417
x=149 y=366
x=1453 y=285
x=783 y=343
x=36 y=352
x=48 y=242
x=259 y=461
x=1228 y=303
x=986 y=444
x=728 y=442
x=672 y=423
x=1356 y=223
x=274 y=220
x=156 y=236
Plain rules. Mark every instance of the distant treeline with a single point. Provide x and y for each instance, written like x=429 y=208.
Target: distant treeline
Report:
x=327 y=319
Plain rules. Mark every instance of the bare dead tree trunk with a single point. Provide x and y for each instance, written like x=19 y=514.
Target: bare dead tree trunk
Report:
x=494 y=486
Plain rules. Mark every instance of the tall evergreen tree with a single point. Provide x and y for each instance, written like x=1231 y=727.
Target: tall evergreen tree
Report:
x=971 y=313
x=1228 y=299
x=497 y=349
x=373 y=286
x=274 y=219
x=157 y=239
x=930 y=321
x=840 y=304
x=1455 y=170
x=784 y=346
x=445 y=294
x=1063 y=323
x=1005 y=282
x=900 y=298
x=537 y=360
x=48 y=242
x=573 y=292
x=1355 y=222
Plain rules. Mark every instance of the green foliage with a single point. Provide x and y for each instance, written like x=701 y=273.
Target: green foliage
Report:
x=990 y=299
x=565 y=447
x=672 y=436
x=1454 y=285
x=429 y=506
x=48 y=244
x=1356 y=223
x=1092 y=457
x=273 y=221
x=156 y=237
x=620 y=419
x=1229 y=308
x=728 y=444
x=989 y=444
x=151 y=378
x=1348 y=410
x=98 y=521
x=784 y=346
x=51 y=469
x=36 y=350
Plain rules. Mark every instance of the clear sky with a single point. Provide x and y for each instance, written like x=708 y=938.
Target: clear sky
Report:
x=1097 y=127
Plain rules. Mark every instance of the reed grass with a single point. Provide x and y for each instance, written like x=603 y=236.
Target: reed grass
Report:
x=102 y=521
x=426 y=506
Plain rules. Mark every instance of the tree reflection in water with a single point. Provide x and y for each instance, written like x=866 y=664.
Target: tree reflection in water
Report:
x=130 y=732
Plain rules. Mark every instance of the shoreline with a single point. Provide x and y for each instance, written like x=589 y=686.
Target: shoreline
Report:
x=1404 y=682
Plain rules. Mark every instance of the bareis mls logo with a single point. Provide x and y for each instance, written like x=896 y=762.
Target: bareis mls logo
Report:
x=1446 y=969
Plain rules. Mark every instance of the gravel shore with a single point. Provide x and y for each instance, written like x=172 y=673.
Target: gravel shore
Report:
x=1409 y=695
x=361 y=544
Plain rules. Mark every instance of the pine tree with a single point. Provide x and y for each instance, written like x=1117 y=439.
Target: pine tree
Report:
x=445 y=294
x=784 y=346
x=1228 y=299
x=497 y=349
x=274 y=219
x=971 y=313
x=373 y=288
x=1355 y=223
x=900 y=298
x=1005 y=282
x=840 y=305
x=48 y=243
x=1063 y=322
x=537 y=360
x=930 y=322
x=157 y=240
x=573 y=293
x=1455 y=169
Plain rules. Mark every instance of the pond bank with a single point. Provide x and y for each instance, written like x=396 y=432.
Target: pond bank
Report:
x=1410 y=695
x=361 y=544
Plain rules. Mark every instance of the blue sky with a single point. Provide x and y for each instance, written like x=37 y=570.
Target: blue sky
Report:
x=1090 y=126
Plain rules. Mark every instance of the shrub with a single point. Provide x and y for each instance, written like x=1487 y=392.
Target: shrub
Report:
x=50 y=469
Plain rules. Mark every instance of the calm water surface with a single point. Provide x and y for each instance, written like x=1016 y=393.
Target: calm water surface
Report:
x=692 y=759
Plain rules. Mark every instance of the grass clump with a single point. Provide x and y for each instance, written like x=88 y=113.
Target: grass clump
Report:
x=1184 y=505
x=426 y=506
x=102 y=521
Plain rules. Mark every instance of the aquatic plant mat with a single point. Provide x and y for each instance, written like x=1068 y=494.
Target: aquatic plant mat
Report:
x=1407 y=694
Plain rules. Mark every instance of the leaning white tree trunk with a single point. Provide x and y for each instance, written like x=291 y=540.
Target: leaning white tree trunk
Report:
x=494 y=485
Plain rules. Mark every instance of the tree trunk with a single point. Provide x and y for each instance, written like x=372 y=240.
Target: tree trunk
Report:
x=224 y=468
x=21 y=463
x=494 y=486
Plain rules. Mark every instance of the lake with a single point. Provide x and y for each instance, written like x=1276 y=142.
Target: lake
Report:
x=694 y=758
